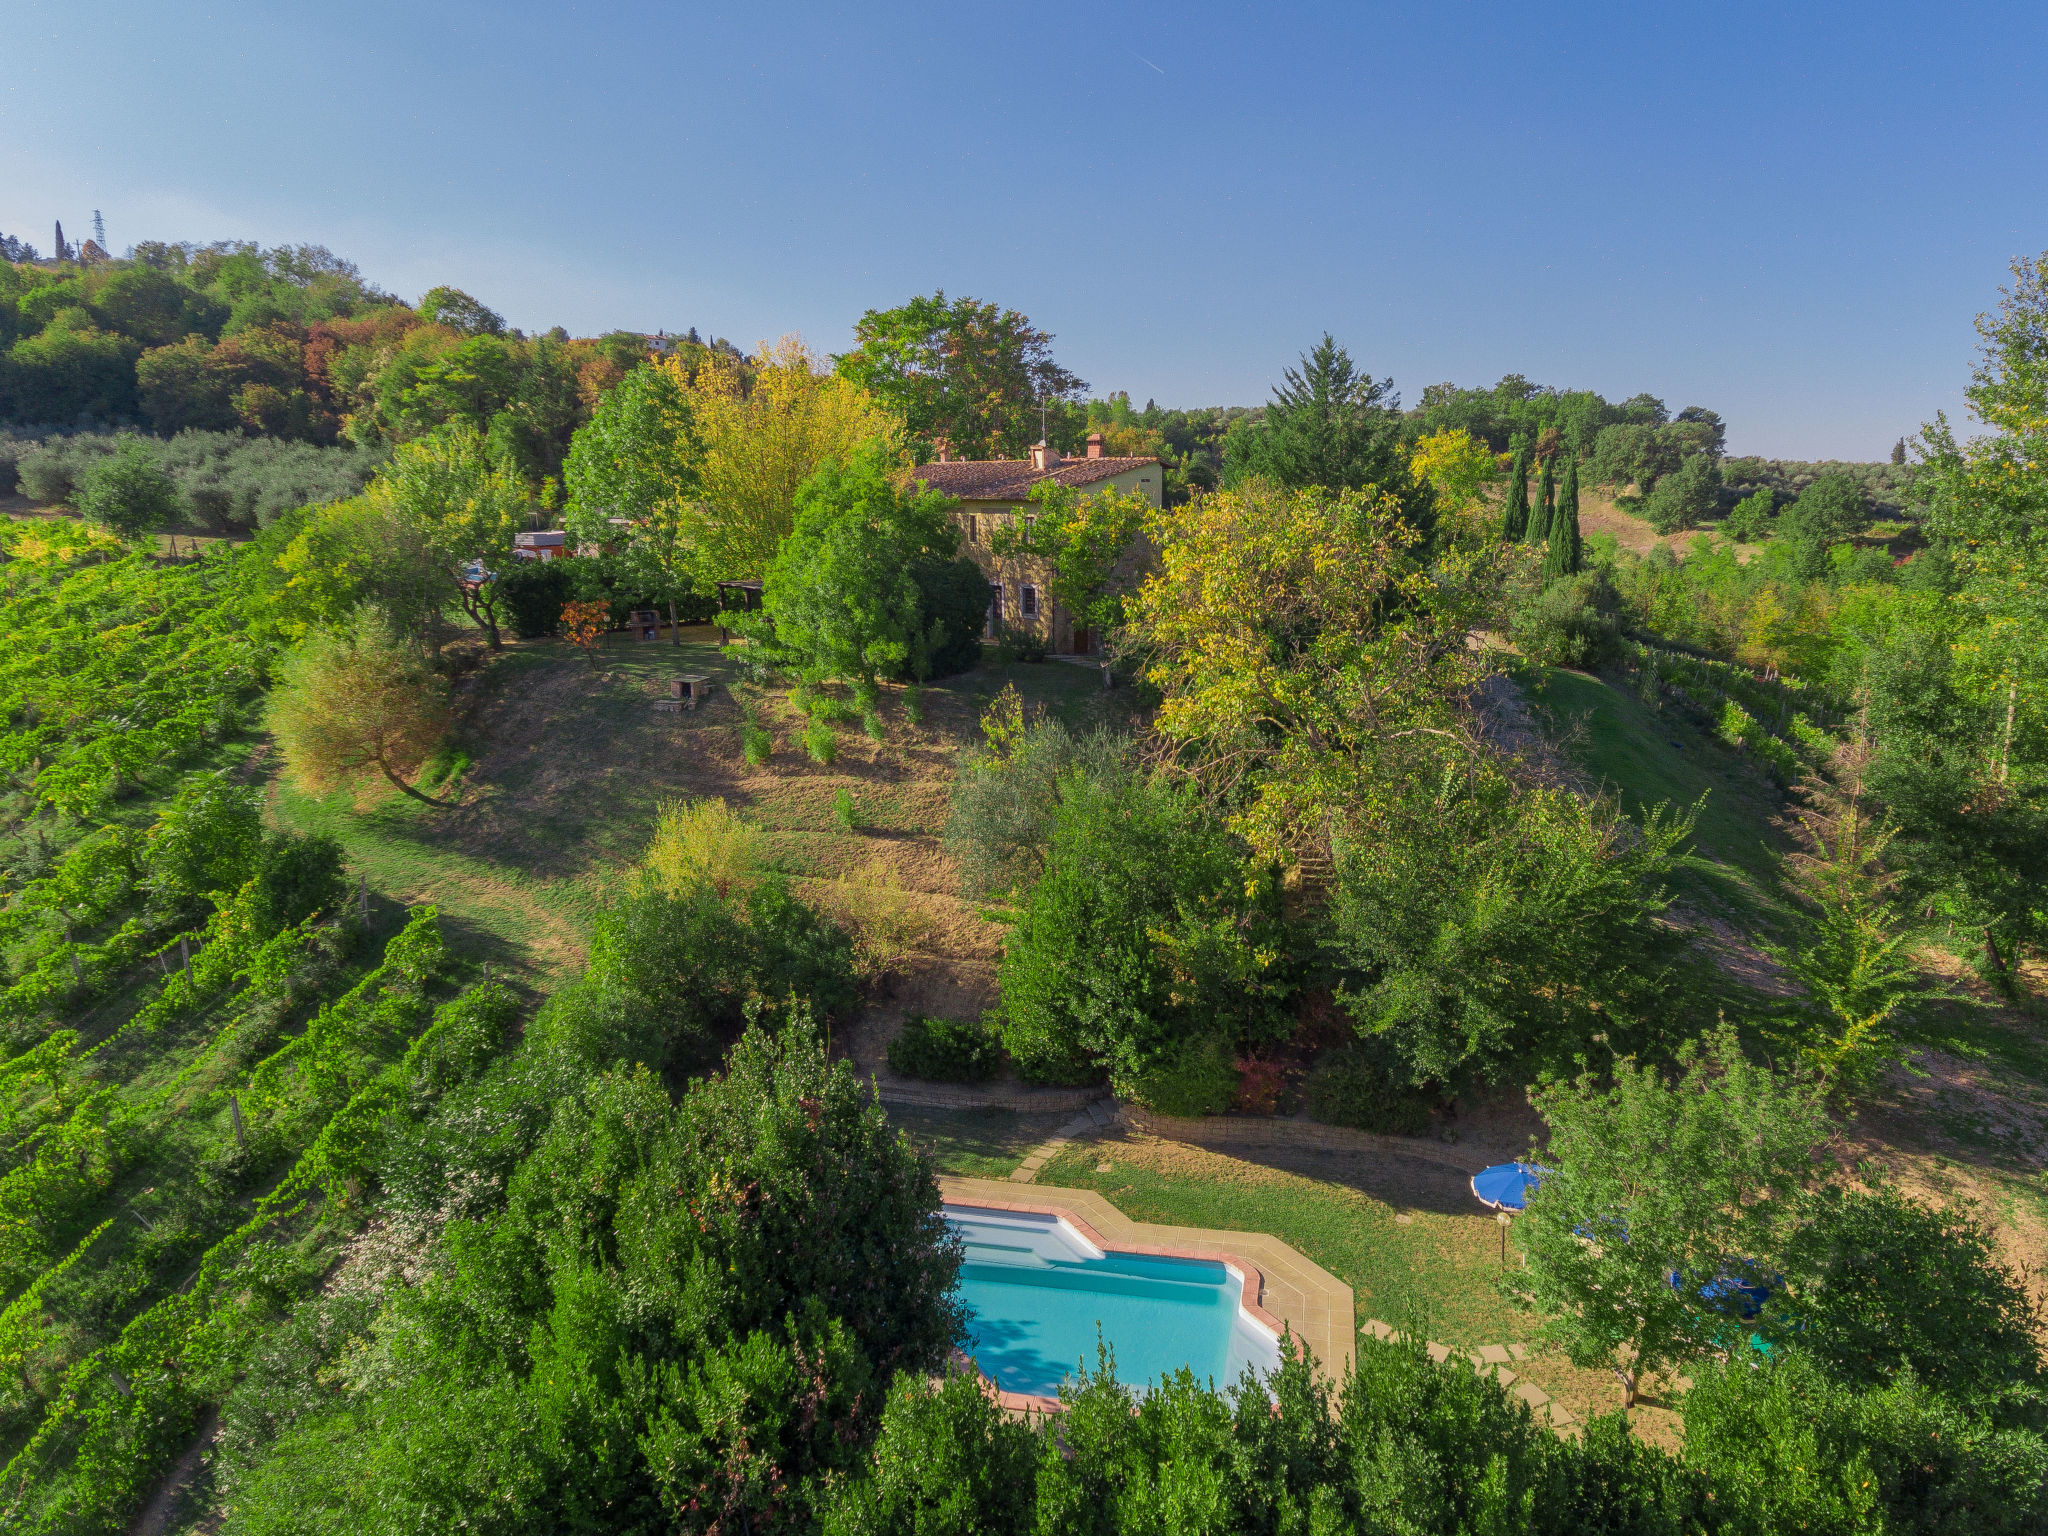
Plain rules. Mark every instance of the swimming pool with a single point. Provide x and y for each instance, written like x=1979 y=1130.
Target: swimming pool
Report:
x=1038 y=1292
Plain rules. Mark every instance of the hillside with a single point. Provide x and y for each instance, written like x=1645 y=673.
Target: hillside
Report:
x=570 y=763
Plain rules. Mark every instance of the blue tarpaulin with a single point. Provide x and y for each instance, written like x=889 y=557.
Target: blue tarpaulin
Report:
x=1733 y=1289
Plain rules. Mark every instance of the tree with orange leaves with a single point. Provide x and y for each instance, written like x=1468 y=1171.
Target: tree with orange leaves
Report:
x=585 y=624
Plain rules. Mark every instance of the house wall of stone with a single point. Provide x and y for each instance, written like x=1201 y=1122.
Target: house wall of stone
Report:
x=978 y=520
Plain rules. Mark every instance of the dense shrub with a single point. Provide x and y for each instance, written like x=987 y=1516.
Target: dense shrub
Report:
x=1366 y=1087
x=14 y=446
x=953 y=602
x=1016 y=642
x=1573 y=621
x=1889 y=488
x=533 y=592
x=1146 y=929
x=946 y=1050
x=678 y=1315
x=1409 y=1447
x=1200 y=1078
x=672 y=973
x=296 y=876
x=1786 y=1448
x=948 y=1462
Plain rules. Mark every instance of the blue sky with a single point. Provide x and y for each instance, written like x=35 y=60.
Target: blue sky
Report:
x=1788 y=213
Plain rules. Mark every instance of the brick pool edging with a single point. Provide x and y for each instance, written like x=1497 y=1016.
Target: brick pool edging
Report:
x=1289 y=1292
x=1251 y=1281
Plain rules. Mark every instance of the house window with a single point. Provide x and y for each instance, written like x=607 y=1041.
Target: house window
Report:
x=1029 y=519
x=973 y=528
x=1029 y=594
x=995 y=604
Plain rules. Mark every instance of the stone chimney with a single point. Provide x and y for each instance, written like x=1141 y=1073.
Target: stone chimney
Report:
x=1044 y=457
x=1094 y=445
x=942 y=450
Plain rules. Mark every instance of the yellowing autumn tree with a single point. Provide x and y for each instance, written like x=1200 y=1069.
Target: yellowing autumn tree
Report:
x=764 y=431
x=1304 y=648
x=357 y=700
x=1459 y=467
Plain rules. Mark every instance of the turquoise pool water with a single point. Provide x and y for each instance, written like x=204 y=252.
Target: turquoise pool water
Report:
x=1039 y=1295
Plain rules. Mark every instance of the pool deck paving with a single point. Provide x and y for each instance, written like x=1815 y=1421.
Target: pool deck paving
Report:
x=1308 y=1299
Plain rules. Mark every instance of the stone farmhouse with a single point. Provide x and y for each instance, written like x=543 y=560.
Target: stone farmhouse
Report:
x=995 y=493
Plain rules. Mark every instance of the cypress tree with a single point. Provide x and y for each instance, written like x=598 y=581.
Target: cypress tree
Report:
x=1514 y=522
x=1564 y=555
x=1546 y=500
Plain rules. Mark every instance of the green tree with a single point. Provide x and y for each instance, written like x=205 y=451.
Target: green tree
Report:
x=1749 y=520
x=973 y=373
x=1086 y=543
x=463 y=508
x=636 y=459
x=1144 y=933
x=1546 y=502
x=1633 y=453
x=1330 y=426
x=458 y=311
x=1702 y=1179
x=1879 y=1285
x=1562 y=554
x=1829 y=510
x=1700 y=430
x=1308 y=655
x=1849 y=951
x=128 y=494
x=532 y=434
x=841 y=598
x=1955 y=765
x=326 y=562
x=466 y=386
x=767 y=425
x=1686 y=497
x=155 y=308
x=1490 y=927
x=1514 y=523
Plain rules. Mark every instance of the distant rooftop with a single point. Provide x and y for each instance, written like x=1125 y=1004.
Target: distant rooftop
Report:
x=1012 y=479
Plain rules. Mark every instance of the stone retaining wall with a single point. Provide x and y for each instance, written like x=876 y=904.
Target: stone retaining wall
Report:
x=1221 y=1131
x=1024 y=1100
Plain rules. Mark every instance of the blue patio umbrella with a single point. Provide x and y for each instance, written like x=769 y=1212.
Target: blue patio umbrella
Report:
x=1507 y=1186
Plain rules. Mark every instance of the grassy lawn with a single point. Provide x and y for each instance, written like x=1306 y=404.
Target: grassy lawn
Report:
x=1652 y=757
x=975 y=1143
x=1412 y=1250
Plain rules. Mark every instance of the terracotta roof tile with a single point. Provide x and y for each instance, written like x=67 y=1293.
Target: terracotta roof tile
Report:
x=1012 y=479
